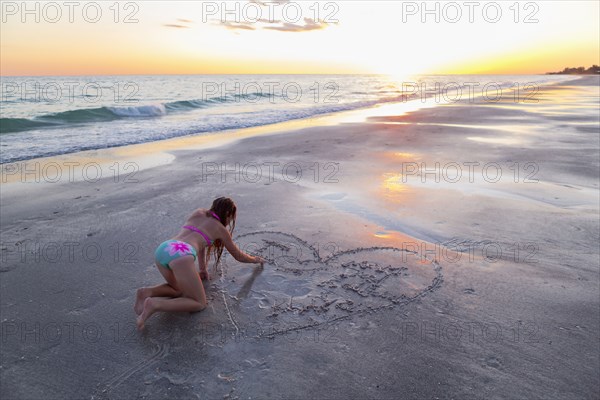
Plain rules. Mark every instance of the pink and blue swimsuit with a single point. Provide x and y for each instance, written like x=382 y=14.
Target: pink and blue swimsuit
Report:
x=170 y=250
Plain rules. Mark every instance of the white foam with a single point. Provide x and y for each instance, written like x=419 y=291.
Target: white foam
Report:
x=152 y=110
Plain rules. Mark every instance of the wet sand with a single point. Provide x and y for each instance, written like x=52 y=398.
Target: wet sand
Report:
x=389 y=276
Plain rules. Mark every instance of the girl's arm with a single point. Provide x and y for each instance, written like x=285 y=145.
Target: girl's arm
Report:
x=207 y=259
x=202 y=259
x=237 y=253
x=203 y=262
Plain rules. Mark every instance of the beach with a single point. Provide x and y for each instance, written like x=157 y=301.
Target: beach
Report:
x=415 y=250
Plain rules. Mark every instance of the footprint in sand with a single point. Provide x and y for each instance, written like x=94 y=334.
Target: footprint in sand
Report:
x=493 y=362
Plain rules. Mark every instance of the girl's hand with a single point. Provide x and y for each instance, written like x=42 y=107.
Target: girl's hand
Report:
x=260 y=260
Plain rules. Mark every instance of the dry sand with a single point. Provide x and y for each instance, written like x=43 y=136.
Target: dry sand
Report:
x=382 y=282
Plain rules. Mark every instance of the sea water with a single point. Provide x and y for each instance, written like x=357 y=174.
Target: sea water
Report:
x=45 y=116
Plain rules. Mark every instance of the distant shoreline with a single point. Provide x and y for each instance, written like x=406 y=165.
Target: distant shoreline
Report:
x=593 y=70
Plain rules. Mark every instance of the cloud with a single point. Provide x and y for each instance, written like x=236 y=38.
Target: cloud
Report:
x=264 y=3
x=271 y=24
x=175 y=26
x=276 y=25
x=309 y=25
x=182 y=23
x=268 y=21
x=241 y=25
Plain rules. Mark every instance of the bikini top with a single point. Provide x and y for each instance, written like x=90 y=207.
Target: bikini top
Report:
x=193 y=228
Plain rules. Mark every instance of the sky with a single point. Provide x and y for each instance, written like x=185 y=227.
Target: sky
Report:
x=286 y=37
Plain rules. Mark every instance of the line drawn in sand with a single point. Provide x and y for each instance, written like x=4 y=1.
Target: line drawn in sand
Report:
x=300 y=289
x=104 y=390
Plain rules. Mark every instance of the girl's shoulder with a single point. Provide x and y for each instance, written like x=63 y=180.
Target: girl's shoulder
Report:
x=200 y=212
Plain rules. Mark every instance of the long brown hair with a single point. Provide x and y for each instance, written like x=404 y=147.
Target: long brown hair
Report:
x=226 y=210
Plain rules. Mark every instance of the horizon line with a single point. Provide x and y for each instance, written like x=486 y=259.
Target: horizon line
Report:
x=307 y=74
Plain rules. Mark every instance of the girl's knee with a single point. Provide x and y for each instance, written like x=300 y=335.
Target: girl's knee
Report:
x=176 y=291
x=200 y=306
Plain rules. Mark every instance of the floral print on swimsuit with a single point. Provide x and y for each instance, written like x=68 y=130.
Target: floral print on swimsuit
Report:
x=178 y=248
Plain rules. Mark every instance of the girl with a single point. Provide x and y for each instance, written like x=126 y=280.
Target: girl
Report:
x=175 y=259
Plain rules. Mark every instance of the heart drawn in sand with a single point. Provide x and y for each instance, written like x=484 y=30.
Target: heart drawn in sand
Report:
x=304 y=285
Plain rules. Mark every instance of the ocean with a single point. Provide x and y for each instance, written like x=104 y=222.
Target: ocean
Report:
x=46 y=116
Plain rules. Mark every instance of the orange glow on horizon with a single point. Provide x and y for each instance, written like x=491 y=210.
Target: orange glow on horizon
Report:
x=367 y=40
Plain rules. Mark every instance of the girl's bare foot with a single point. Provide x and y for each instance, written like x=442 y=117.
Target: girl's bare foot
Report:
x=147 y=311
x=140 y=296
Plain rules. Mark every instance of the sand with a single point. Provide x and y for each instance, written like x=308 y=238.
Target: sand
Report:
x=382 y=282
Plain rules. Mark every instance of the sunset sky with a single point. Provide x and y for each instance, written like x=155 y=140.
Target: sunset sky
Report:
x=368 y=37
